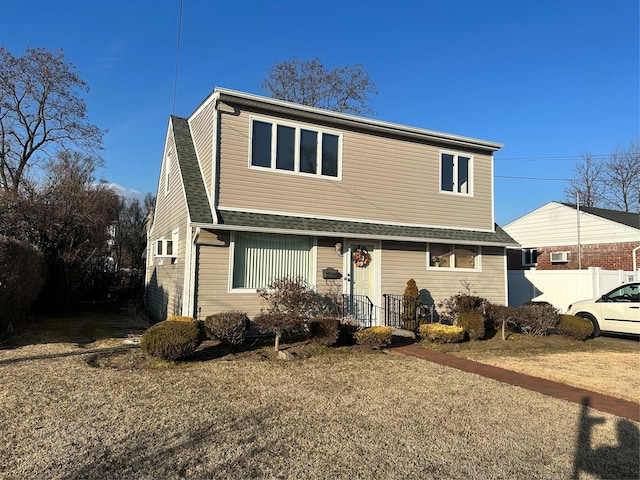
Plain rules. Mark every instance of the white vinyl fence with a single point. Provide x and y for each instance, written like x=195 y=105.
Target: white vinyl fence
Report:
x=563 y=287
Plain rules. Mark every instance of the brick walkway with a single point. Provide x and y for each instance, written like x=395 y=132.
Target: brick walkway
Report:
x=603 y=403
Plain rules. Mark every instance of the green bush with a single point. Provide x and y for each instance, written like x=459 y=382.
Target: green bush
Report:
x=324 y=330
x=575 y=327
x=536 y=318
x=228 y=327
x=171 y=340
x=410 y=302
x=440 y=333
x=472 y=323
x=374 y=337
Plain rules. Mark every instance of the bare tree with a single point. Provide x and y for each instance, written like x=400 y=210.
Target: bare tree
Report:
x=622 y=179
x=41 y=111
x=130 y=233
x=67 y=215
x=342 y=89
x=588 y=181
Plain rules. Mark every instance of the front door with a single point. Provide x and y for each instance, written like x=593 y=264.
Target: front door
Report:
x=361 y=266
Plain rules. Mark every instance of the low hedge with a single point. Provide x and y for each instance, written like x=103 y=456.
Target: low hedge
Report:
x=228 y=327
x=440 y=333
x=171 y=340
x=324 y=330
x=374 y=337
x=575 y=327
x=472 y=323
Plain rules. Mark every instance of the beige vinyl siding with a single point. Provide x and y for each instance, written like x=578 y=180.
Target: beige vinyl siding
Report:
x=213 y=295
x=327 y=257
x=383 y=179
x=165 y=282
x=402 y=261
x=201 y=126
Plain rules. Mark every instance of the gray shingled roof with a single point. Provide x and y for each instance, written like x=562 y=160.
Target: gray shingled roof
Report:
x=290 y=224
x=197 y=200
x=623 y=218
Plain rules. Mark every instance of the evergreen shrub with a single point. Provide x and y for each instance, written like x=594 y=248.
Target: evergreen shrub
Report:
x=374 y=337
x=440 y=333
x=472 y=323
x=575 y=327
x=171 y=340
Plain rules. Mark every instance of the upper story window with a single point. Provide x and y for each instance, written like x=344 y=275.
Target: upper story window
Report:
x=456 y=173
x=443 y=255
x=295 y=149
x=529 y=257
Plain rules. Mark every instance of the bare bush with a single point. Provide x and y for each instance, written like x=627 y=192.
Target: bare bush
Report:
x=228 y=327
x=536 y=318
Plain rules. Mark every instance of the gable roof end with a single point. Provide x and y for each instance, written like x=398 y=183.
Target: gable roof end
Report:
x=624 y=218
x=195 y=192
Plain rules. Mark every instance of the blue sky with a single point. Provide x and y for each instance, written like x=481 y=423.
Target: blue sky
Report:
x=550 y=79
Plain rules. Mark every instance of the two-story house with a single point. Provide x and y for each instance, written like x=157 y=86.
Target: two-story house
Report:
x=253 y=189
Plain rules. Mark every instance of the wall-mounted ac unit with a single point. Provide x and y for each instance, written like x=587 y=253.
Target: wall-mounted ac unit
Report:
x=560 y=257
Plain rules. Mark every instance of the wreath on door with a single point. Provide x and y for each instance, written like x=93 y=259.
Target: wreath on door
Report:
x=361 y=257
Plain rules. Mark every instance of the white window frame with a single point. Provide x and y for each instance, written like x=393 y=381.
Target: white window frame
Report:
x=528 y=253
x=477 y=259
x=160 y=246
x=298 y=127
x=456 y=186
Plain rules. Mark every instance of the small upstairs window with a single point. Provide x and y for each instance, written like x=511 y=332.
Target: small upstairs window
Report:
x=456 y=173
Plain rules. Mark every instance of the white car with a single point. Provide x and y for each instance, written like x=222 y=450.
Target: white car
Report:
x=617 y=311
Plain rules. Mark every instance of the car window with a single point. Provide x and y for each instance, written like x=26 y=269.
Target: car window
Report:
x=626 y=293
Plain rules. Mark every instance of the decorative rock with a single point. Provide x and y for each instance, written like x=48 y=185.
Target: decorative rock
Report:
x=285 y=355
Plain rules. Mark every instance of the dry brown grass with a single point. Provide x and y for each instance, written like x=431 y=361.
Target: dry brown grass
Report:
x=605 y=364
x=342 y=414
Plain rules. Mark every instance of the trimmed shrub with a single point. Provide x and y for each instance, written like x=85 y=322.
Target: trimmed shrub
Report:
x=228 y=327
x=171 y=340
x=411 y=302
x=280 y=324
x=180 y=318
x=536 y=318
x=374 y=337
x=348 y=329
x=440 y=333
x=460 y=303
x=472 y=323
x=575 y=327
x=324 y=330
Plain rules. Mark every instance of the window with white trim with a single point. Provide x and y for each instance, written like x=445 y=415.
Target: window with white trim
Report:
x=456 y=173
x=295 y=148
x=529 y=257
x=167 y=248
x=444 y=255
x=260 y=258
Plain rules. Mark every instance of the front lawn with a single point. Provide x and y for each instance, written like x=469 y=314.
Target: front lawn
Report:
x=344 y=414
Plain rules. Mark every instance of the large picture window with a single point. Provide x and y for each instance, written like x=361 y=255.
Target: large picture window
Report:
x=295 y=149
x=456 y=173
x=442 y=255
x=260 y=258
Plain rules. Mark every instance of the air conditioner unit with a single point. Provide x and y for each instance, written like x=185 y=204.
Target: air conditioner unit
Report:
x=560 y=257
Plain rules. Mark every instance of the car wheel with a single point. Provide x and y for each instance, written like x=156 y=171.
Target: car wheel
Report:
x=594 y=322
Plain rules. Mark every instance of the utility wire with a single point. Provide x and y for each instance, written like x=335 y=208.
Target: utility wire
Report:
x=175 y=83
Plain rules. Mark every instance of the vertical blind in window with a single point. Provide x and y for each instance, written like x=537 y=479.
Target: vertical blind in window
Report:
x=261 y=258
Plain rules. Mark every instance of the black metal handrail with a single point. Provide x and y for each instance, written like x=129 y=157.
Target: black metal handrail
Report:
x=359 y=308
x=406 y=312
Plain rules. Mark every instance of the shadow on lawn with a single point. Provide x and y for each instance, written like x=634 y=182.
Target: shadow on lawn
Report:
x=91 y=323
x=212 y=449
x=620 y=461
